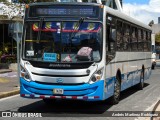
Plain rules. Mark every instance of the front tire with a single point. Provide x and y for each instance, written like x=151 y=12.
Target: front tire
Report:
x=117 y=91
x=153 y=67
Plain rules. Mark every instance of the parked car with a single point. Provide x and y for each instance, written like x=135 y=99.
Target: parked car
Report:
x=153 y=60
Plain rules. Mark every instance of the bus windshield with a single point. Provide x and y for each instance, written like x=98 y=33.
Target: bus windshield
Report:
x=63 y=41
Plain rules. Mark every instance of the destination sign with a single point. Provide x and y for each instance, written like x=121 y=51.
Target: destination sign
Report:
x=84 y=11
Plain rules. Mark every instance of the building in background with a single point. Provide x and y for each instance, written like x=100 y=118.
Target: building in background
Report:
x=156 y=37
x=156 y=27
x=9 y=13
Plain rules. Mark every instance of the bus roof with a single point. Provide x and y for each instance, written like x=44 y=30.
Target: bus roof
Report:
x=64 y=3
x=126 y=17
x=108 y=9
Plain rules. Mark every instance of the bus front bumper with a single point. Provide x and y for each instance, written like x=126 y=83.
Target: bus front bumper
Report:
x=87 y=92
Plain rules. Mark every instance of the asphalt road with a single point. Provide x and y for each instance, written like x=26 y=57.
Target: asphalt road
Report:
x=131 y=100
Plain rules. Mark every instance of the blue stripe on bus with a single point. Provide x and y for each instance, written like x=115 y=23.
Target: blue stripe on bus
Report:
x=32 y=87
x=128 y=80
x=95 y=89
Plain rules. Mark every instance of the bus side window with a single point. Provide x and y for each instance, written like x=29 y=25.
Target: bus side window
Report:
x=126 y=37
x=119 y=36
x=149 y=40
x=133 y=39
x=111 y=38
x=145 y=41
x=140 y=40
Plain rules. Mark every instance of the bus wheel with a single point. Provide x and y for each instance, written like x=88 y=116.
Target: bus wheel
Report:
x=141 y=84
x=117 y=91
x=49 y=101
x=153 y=66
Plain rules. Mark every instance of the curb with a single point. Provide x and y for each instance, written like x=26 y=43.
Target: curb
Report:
x=5 y=71
x=10 y=93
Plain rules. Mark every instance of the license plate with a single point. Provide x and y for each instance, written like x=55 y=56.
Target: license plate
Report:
x=58 y=91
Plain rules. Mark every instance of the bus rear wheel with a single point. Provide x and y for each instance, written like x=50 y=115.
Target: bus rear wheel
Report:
x=141 y=84
x=117 y=91
x=153 y=66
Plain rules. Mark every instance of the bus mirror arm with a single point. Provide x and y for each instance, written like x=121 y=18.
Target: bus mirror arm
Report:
x=109 y=57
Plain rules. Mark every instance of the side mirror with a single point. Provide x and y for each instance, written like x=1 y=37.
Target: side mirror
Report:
x=112 y=39
x=112 y=46
x=112 y=35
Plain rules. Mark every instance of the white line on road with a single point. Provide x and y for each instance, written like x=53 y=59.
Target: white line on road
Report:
x=152 y=106
x=2 y=99
x=148 y=109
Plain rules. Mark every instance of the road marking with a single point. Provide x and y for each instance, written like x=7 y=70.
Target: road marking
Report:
x=148 y=109
x=2 y=99
x=152 y=106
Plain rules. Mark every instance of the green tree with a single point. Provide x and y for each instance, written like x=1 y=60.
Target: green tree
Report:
x=2 y=0
x=157 y=38
x=25 y=1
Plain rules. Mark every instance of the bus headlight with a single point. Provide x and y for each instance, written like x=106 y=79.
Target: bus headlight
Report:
x=97 y=76
x=24 y=73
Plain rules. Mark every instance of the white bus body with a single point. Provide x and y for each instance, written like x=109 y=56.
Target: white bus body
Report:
x=125 y=60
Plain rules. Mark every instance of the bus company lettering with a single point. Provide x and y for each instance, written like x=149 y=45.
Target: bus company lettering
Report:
x=59 y=65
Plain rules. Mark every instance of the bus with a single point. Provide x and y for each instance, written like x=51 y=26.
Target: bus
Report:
x=82 y=51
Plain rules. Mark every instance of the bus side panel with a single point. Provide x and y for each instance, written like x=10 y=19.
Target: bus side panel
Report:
x=148 y=65
x=110 y=87
x=148 y=72
x=121 y=61
x=130 y=71
x=110 y=74
x=133 y=67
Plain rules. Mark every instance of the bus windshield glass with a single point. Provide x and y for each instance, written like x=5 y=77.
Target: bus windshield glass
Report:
x=63 y=41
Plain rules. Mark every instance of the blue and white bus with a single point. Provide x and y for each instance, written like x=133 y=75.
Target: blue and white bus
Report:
x=82 y=51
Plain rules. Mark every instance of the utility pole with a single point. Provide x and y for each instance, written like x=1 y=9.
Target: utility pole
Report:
x=17 y=35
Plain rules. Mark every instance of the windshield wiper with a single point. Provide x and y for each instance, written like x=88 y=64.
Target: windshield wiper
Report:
x=76 y=28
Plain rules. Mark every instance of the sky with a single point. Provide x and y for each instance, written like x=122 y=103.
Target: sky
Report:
x=136 y=1
x=143 y=10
